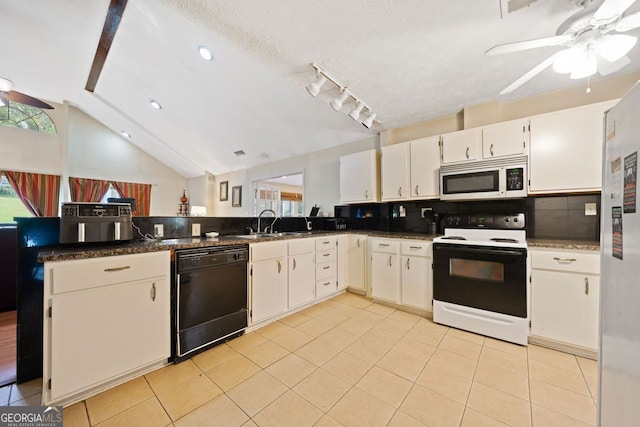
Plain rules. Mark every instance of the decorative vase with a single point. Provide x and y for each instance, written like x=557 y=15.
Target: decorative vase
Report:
x=184 y=198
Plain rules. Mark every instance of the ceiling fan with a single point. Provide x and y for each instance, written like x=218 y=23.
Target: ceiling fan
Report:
x=8 y=94
x=590 y=46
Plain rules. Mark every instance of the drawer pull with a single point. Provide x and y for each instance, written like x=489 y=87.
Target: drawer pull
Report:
x=326 y=284
x=383 y=245
x=586 y=286
x=326 y=242
x=153 y=291
x=415 y=247
x=565 y=260
x=114 y=269
x=327 y=254
x=327 y=267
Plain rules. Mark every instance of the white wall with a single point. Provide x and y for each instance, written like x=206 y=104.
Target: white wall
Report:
x=85 y=148
x=321 y=179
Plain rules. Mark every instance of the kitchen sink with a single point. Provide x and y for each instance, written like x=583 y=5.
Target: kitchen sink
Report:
x=282 y=234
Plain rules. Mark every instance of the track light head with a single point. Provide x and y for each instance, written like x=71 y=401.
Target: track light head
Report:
x=336 y=103
x=368 y=122
x=314 y=88
x=355 y=113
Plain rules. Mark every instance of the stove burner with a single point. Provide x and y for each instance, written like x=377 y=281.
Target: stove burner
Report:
x=454 y=238
x=503 y=240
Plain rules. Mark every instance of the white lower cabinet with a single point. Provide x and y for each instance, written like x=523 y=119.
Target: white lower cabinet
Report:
x=565 y=295
x=385 y=270
x=301 y=278
x=326 y=266
x=417 y=275
x=268 y=271
x=106 y=320
x=357 y=255
x=342 y=261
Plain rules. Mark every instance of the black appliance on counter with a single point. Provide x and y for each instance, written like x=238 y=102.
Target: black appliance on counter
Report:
x=95 y=222
x=210 y=297
x=335 y=224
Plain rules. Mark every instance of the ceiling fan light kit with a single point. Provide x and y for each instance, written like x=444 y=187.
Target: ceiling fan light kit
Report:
x=344 y=94
x=589 y=46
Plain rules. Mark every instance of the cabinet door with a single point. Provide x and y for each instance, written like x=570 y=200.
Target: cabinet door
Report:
x=425 y=168
x=359 y=177
x=461 y=146
x=342 y=261
x=566 y=150
x=395 y=172
x=101 y=333
x=302 y=281
x=504 y=139
x=564 y=307
x=356 y=253
x=268 y=289
x=417 y=282
x=385 y=276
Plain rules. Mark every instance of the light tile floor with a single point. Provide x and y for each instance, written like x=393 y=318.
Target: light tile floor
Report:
x=350 y=362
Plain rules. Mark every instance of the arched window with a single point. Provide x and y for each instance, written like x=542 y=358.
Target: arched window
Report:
x=26 y=117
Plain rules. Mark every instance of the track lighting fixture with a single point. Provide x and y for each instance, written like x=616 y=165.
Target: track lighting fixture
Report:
x=337 y=103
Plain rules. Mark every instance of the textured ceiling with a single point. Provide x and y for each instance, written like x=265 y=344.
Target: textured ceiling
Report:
x=409 y=60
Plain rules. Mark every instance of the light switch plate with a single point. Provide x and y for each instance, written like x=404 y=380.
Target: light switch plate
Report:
x=590 y=209
x=158 y=230
x=195 y=230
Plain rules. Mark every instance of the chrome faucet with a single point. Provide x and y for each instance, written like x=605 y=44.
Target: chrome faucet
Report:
x=260 y=217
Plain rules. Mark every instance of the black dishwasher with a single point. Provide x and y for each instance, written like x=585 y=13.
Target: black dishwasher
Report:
x=210 y=297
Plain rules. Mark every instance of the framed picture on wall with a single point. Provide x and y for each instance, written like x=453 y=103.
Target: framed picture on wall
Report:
x=224 y=191
x=236 y=196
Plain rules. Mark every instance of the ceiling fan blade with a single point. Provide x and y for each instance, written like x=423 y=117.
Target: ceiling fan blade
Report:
x=530 y=74
x=611 y=9
x=606 y=67
x=529 y=44
x=629 y=22
x=20 y=97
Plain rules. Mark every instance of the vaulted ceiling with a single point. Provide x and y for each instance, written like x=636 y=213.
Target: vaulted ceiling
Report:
x=409 y=61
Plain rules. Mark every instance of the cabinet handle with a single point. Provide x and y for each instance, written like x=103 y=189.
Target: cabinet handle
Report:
x=564 y=260
x=383 y=245
x=111 y=270
x=358 y=242
x=366 y=194
x=400 y=191
x=279 y=267
x=415 y=247
x=491 y=149
x=294 y=263
x=586 y=286
x=390 y=261
x=467 y=152
x=417 y=192
x=153 y=291
x=326 y=242
x=326 y=284
x=327 y=254
x=327 y=267
x=408 y=264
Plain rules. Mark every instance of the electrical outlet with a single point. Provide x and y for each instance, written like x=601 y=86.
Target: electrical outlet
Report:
x=195 y=230
x=158 y=230
x=590 y=209
x=423 y=211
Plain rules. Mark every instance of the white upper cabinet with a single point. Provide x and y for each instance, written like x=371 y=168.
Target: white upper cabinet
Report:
x=395 y=171
x=462 y=146
x=359 y=181
x=425 y=168
x=505 y=139
x=566 y=150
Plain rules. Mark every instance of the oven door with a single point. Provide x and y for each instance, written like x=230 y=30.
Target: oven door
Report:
x=483 y=277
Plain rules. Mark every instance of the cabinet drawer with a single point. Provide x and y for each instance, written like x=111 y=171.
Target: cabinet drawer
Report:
x=416 y=248
x=581 y=262
x=325 y=256
x=326 y=286
x=301 y=246
x=267 y=250
x=324 y=270
x=68 y=276
x=387 y=246
x=323 y=243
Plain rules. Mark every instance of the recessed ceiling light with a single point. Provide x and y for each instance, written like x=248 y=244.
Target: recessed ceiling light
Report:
x=239 y=153
x=155 y=104
x=126 y=134
x=205 y=53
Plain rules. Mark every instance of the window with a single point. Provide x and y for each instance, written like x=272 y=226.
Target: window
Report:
x=26 y=117
x=10 y=204
x=111 y=192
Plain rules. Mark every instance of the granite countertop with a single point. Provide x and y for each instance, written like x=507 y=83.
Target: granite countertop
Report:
x=72 y=252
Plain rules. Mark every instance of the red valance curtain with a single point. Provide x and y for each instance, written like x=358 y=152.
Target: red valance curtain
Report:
x=87 y=190
x=40 y=193
x=140 y=192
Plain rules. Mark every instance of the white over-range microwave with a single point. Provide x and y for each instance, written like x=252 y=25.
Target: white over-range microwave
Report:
x=485 y=179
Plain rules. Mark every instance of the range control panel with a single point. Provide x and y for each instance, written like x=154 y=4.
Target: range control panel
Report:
x=504 y=222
